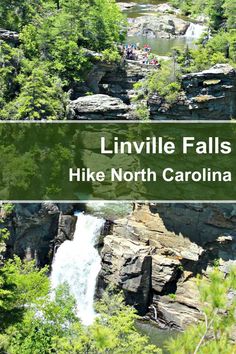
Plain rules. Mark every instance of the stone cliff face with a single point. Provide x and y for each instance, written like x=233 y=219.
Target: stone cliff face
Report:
x=206 y=95
x=210 y=94
x=36 y=229
x=155 y=254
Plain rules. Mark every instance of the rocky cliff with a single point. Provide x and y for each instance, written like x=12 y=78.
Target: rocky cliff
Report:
x=209 y=95
x=205 y=95
x=155 y=254
x=36 y=229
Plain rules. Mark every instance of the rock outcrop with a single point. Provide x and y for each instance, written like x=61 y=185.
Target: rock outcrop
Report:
x=36 y=228
x=119 y=82
x=155 y=254
x=126 y=5
x=9 y=36
x=162 y=26
x=206 y=95
x=98 y=107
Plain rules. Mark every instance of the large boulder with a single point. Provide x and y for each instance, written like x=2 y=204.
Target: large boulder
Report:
x=98 y=107
x=164 y=26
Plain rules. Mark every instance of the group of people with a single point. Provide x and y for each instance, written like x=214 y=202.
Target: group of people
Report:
x=142 y=55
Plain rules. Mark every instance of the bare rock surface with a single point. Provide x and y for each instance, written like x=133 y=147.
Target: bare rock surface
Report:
x=153 y=26
x=99 y=107
x=155 y=254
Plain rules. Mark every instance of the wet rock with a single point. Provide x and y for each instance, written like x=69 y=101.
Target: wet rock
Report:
x=66 y=229
x=164 y=26
x=33 y=228
x=126 y=5
x=99 y=107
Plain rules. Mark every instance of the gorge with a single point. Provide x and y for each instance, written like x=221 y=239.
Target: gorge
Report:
x=66 y=60
x=150 y=252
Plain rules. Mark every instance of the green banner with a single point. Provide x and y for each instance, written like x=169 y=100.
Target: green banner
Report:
x=79 y=161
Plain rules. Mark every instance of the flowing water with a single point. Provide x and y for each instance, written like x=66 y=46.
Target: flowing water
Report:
x=161 y=46
x=195 y=31
x=77 y=263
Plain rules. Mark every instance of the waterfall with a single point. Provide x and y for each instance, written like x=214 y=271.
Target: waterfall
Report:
x=77 y=262
x=195 y=30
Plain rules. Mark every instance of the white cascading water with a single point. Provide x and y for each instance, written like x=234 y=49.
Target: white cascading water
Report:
x=77 y=262
x=195 y=30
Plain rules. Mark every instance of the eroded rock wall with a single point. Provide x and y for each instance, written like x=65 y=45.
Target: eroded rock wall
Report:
x=155 y=254
x=36 y=228
x=206 y=95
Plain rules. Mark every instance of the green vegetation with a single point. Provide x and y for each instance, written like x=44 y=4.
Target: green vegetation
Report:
x=166 y=82
x=221 y=13
x=52 y=59
x=219 y=309
x=220 y=47
x=32 y=323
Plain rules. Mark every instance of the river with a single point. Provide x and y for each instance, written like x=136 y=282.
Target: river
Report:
x=156 y=336
x=160 y=46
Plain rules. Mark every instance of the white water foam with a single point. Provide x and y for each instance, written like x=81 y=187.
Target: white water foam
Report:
x=77 y=262
x=195 y=30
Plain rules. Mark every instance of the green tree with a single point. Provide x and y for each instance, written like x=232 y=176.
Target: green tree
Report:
x=165 y=82
x=44 y=325
x=10 y=63
x=52 y=326
x=21 y=285
x=219 y=309
x=14 y=14
x=215 y=12
x=41 y=97
x=114 y=330
x=229 y=7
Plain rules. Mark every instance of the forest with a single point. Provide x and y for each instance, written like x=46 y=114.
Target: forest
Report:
x=49 y=64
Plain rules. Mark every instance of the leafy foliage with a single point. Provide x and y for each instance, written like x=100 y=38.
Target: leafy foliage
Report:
x=165 y=82
x=41 y=97
x=52 y=326
x=52 y=59
x=219 y=309
x=21 y=285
